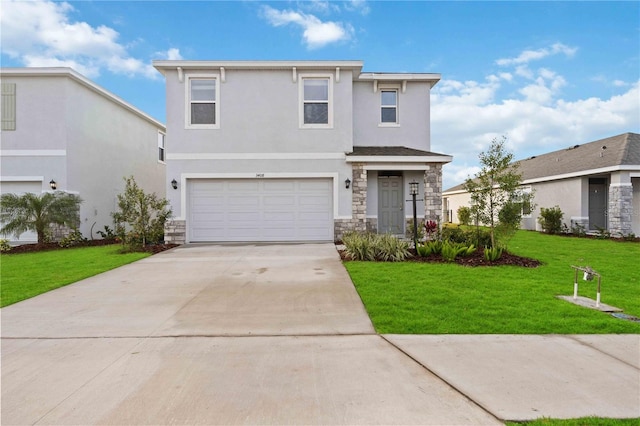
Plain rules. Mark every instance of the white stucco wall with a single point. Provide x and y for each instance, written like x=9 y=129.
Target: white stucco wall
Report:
x=82 y=139
x=413 y=115
x=259 y=133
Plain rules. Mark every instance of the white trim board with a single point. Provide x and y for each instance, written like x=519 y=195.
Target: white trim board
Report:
x=257 y=156
x=33 y=153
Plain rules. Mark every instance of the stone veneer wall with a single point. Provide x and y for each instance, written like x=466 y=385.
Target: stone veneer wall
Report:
x=175 y=232
x=620 y=209
x=358 y=222
x=433 y=192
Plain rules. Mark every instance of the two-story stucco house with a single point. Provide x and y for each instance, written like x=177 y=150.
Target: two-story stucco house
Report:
x=61 y=130
x=295 y=150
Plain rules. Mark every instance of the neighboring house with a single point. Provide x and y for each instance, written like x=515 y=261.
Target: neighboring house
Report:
x=596 y=185
x=58 y=126
x=296 y=150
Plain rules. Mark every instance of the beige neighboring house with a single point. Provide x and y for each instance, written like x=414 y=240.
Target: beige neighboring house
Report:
x=60 y=129
x=596 y=185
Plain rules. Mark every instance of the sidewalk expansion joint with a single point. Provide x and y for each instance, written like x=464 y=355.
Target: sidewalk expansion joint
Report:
x=573 y=338
x=448 y=383
x=171 y=336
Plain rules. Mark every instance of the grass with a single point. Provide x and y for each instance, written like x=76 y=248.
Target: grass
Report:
x=584 y=421
x=423 y=298
x=29 y=274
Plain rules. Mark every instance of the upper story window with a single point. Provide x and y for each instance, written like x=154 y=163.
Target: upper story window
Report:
x=203 y=111
x=8 y=106
x=161 y=154
x=389 y=105
x=316 y=103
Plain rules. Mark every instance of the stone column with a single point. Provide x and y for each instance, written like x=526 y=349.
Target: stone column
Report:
x=359 y=197
x=620 y=208
x=433 y=192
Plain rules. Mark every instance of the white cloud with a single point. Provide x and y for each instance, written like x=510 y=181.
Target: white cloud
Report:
x=533 y=55
x=42 y=33
x=466 y=116
x=316 y=33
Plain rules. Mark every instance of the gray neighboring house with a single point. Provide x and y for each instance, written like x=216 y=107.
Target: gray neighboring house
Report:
x=596 y=185
x=58 y=126
x=296 y=150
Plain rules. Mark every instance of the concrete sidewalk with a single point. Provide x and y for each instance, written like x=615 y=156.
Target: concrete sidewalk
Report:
x=278 y=335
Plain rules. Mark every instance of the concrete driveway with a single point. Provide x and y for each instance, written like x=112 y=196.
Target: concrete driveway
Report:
x=277 y=335
x=216 y=335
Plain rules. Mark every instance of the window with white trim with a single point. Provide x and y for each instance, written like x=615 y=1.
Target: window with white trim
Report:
x=525 y=200
x=161 y=154
x=316 y=109
x=389 y=106
x=203 y=109
x=389 y=101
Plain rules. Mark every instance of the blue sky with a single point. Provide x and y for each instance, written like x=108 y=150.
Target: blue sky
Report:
x=545 y=74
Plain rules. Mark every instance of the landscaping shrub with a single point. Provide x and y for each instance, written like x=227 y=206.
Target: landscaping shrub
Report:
x=550 y=219
x=75 y=238
x=493 y=253
x=390 y=249
x=429 y=248
x=464 y=215
x=368 y=246
x=4 y=246
x=452 y=250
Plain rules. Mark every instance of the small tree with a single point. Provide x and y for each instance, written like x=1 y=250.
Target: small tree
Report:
x=551 y=219
x=31 y=212
x=141 y=216
x=464 y=215
x=495 y=188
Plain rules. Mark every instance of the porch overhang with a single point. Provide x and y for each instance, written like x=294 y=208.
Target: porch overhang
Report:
x=395 y=158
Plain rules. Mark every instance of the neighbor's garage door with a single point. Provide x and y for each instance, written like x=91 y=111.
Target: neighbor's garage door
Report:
x=260 y=210
x=21 y=187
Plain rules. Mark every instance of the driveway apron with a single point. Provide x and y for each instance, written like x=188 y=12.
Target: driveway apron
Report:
x=206 y=334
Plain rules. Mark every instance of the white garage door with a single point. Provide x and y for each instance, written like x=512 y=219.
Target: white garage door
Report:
x=260 y=210
x=21 y=187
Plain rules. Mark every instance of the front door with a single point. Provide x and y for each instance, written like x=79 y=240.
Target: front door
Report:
x=597 y=204
x=390 y=203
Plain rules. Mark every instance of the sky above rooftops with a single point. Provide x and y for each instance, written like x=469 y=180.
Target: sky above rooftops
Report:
x=547 y=75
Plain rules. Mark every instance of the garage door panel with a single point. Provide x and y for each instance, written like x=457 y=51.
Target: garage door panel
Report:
x=261 y=210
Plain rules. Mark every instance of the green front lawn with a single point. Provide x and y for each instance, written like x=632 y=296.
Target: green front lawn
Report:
x=423 y=298
x=29 y=274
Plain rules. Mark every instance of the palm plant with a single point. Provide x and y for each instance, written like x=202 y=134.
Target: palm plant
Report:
x=31 y=212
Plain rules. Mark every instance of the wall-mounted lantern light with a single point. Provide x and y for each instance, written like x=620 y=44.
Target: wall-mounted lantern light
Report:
x=174 y=184
x=53 y=184
x=347 y=183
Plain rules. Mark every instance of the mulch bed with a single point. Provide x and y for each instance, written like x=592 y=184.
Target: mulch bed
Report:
x=476 y=259
x=30 y=248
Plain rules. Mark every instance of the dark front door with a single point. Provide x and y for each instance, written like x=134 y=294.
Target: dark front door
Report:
x=390 y=211
x=597 y=203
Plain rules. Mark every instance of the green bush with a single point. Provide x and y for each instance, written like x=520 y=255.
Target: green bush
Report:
x=429 y=248
x=390 y=249
x=4 y=246
x=454 y=234
x=551 y=219
x=368 y=246
x=492 y=254
x=75 y=238
x=464 y=215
